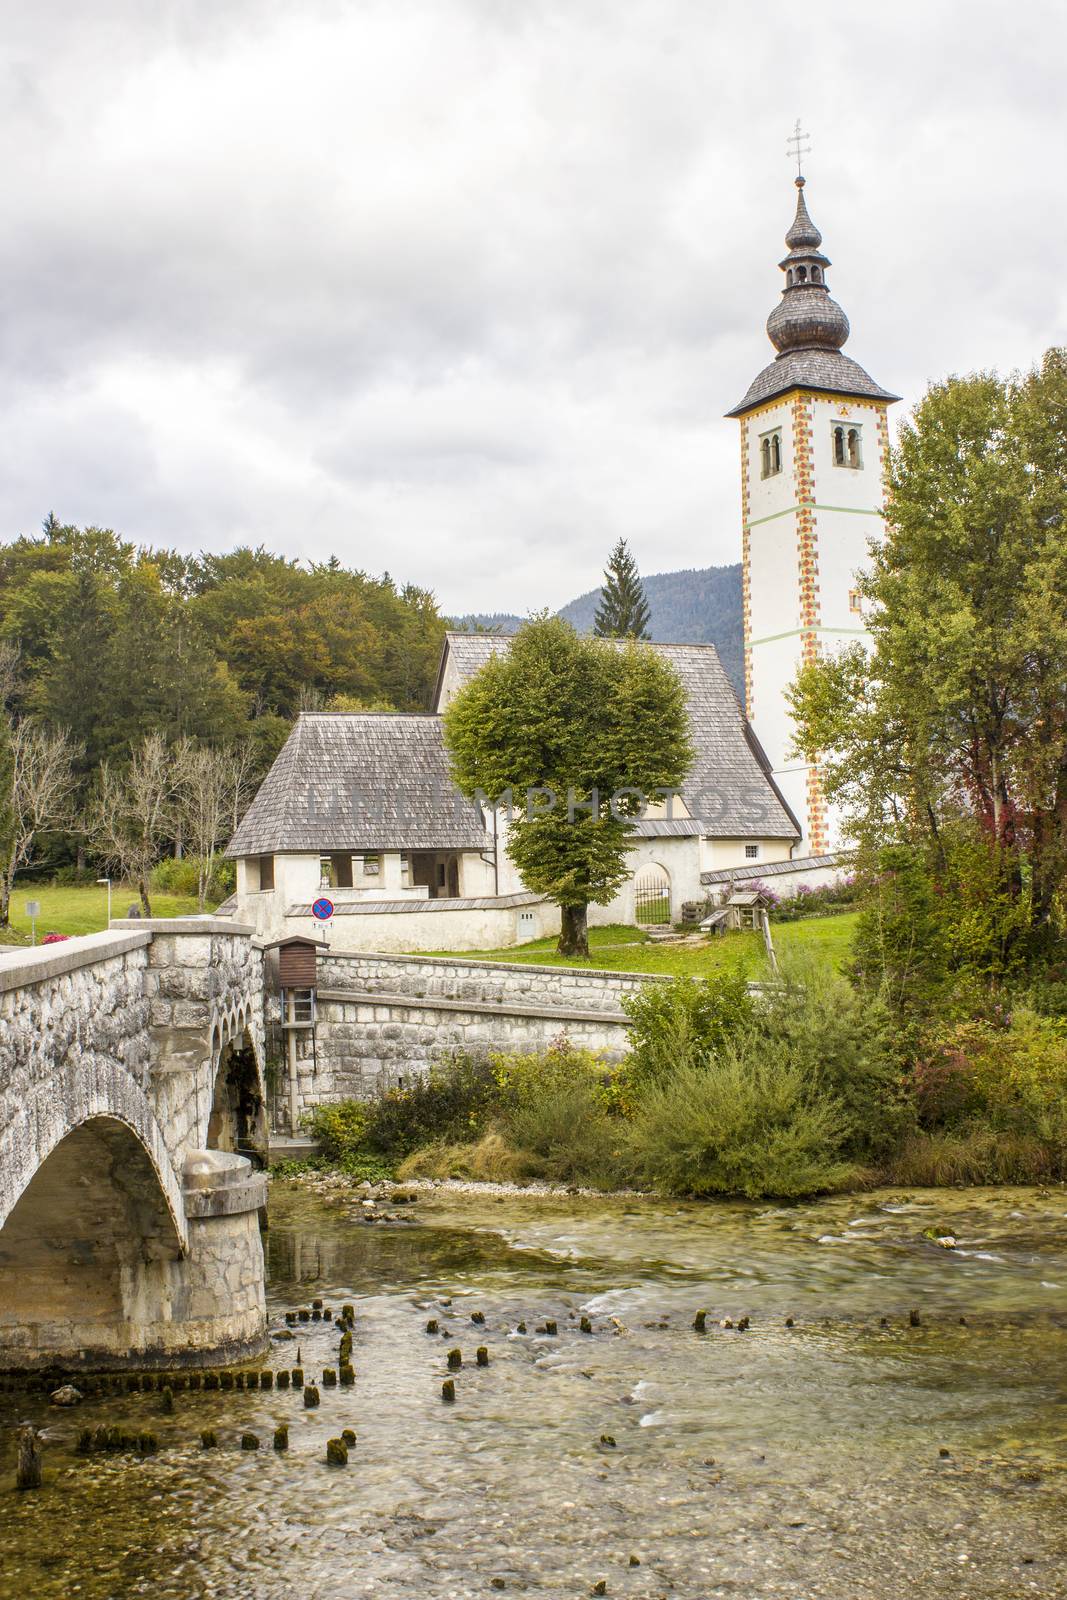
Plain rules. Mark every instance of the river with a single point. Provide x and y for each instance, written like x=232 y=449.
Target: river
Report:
x=850 y=1454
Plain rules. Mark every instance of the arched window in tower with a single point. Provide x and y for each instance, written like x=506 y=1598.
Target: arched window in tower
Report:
x=854 y=459
x=789 y=279
x=802 y=274
x=839 y=446
x=770 y=450
x=816 y=275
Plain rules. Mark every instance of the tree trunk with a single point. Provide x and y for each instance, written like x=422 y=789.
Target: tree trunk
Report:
x=574 y=932
x=142 y=890
x=6 y=885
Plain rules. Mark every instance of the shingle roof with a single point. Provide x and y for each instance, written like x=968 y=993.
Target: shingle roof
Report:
x=830 y=370
x=470 y=652
x=774 y=869
x=360 y=781
x=730 y=788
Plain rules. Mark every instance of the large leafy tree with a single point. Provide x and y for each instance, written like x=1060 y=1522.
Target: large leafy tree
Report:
x=623 y=610
x=958 y=717
x=559 y=716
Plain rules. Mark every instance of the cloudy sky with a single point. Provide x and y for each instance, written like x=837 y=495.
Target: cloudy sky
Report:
x=461 y=288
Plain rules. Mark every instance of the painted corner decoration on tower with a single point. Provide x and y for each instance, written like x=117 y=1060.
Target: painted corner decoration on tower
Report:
x=814 y=434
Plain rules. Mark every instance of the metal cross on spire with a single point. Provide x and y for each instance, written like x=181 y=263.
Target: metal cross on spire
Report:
x=796 y=147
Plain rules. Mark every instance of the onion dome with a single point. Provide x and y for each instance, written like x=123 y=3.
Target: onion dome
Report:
x=807 y=328
x=806 y=318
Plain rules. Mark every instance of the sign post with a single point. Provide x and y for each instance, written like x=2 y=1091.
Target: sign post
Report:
x=33 y=911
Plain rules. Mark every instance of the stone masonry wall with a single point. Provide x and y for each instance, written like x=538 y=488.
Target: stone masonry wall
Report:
x=383 y=1019
x=446 y=977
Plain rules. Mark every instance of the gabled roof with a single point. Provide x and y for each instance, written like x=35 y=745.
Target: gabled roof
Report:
x=730 y=789
x=360 y=781
x=469 y=652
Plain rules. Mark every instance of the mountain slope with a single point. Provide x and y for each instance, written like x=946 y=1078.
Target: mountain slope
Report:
x=699 y=605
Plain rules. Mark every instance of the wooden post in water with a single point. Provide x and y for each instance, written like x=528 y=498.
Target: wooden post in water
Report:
x=28 y=1468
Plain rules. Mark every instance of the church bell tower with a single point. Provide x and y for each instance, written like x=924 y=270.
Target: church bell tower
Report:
x=814 y=434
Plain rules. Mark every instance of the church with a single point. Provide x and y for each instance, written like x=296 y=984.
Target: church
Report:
x=358 y=816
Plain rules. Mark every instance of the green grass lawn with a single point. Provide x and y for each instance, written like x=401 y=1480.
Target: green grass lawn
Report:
x=82 y=908
x=620 y=949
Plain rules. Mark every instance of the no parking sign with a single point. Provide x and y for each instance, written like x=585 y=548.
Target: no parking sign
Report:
x=322 y=910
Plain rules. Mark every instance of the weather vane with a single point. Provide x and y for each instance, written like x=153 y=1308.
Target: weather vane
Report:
x=795 y=146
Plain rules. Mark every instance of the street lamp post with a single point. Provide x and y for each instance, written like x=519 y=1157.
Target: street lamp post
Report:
x=108 y=882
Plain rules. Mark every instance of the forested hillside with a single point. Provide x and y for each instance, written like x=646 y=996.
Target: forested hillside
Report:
x=115 y=641
x=699 y=605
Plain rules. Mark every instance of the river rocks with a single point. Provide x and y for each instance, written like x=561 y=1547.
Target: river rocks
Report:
x=66 y=1395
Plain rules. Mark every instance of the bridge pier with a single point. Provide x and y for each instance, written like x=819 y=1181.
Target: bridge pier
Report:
x=128 y=1237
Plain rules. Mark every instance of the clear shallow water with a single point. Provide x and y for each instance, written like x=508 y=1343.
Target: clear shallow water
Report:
x=794 y=1462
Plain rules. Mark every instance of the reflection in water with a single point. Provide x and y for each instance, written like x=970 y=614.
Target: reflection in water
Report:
x=797 y=1461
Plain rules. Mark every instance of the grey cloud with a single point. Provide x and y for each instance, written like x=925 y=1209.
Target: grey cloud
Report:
x=463 y=288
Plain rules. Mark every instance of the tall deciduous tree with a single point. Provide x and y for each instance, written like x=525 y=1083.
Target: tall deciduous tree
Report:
x=213 y=789
x=135 y=812
x=623 y=610
x=566 y=718
x=38 y=767
x=960 y=711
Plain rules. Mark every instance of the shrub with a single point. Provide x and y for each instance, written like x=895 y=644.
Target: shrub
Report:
x=680 y=1023
x=449 y=1105
x=1007 y=1075
x=340 y=1128
x=840 y=1041
x=822 y=900
x=555 y=1108
x=182 y=876
x=740 y=1124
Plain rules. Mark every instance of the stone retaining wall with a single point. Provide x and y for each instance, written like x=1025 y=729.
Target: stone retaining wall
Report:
x=384 y=1019
x=452 y=978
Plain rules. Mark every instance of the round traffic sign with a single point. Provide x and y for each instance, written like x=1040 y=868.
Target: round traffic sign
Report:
x=322 y=910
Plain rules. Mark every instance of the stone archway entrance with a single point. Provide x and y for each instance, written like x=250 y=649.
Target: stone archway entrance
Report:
x=652 y=896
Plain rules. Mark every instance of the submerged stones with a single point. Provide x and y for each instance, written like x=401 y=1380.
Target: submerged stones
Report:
x=66 y=1395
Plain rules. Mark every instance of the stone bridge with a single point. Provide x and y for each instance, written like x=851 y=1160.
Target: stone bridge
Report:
x=132 y=1114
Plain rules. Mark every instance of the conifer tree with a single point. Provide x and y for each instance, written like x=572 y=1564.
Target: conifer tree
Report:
x=623 y=610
